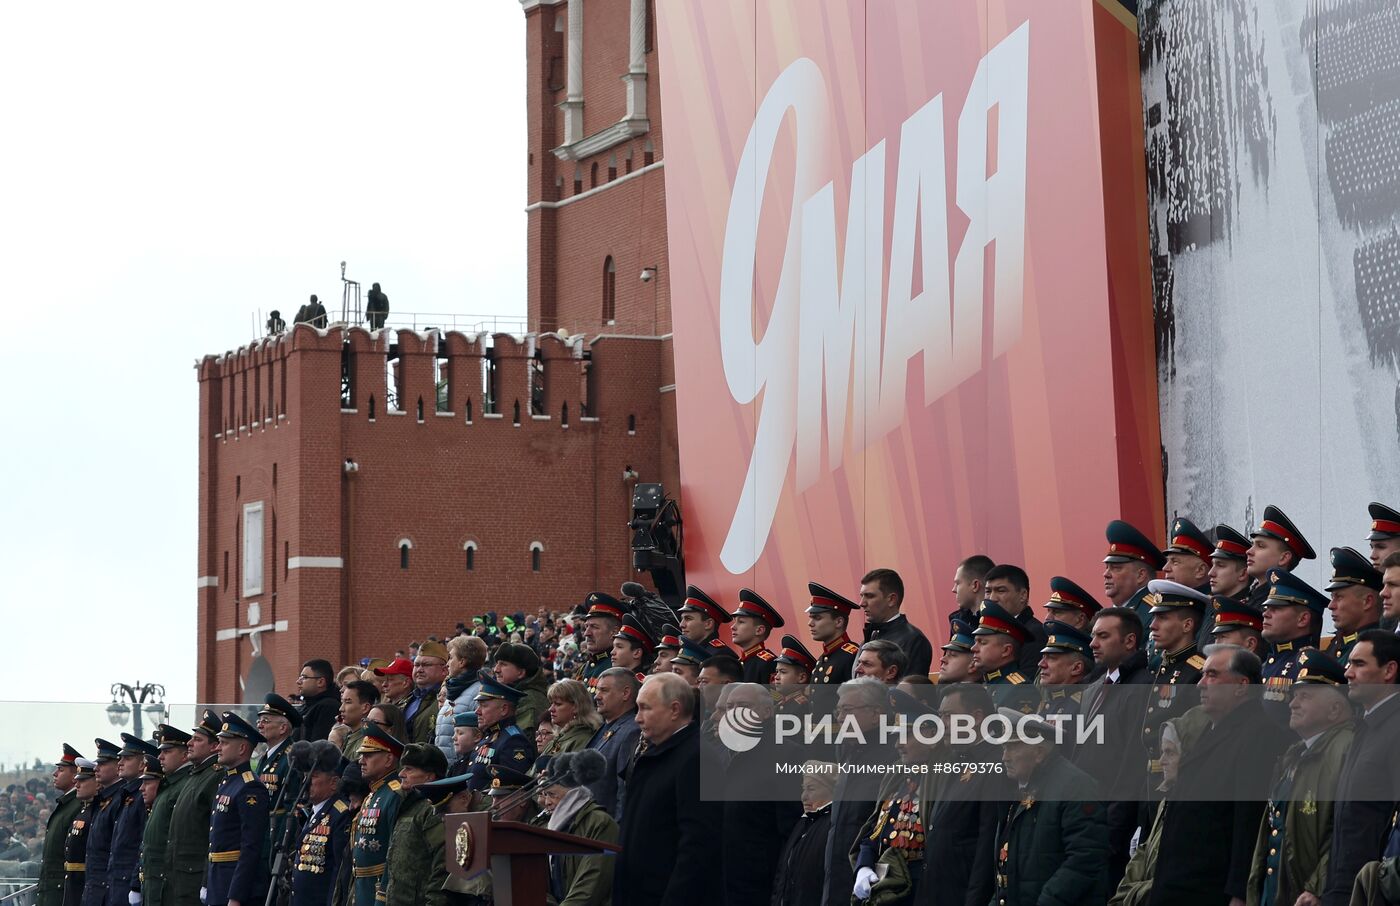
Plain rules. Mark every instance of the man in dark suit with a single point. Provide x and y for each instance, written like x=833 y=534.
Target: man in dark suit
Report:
x=1367 y=789
x=1207 y=843
x=881 y=597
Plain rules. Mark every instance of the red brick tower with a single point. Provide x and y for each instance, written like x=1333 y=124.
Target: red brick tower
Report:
x=361 y=490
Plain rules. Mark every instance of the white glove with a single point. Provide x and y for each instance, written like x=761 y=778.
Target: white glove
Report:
x=865 y=879
x=203 y=894
x=134 y=898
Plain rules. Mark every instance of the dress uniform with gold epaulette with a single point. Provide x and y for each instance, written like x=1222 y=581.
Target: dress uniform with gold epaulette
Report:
x=502 y=743
x=75 y=842
x=758 y=662
x=1281 y=667
x=592 y=665
x=373 y=826
x=900 y=823
x=238 y=828
x=1351 y=570
x=1061 y=641
x=1178 y=669
x=837 y=662
x=319 y=847
x=275 y=772
x=106 y=808
x=1010 y=687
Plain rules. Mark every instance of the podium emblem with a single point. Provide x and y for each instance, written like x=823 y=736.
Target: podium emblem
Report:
x=463 y=842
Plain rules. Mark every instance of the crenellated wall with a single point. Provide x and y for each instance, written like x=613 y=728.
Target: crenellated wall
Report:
x=345 y=481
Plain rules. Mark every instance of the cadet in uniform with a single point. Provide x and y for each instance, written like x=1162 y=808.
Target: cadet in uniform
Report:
x=187 y=852
x=502 y=742
x=632 y=649
x=700 y=618
x=1385 y=532
x=105 y=808
x=1065 y=662
x=754 y=620
x=131 y=822
x=1171 y=605
x=48 y=891
x=237 y=869
x=374 y=823
x=322 y=839
x=667 y=647
x=1356 y=600
x=1237 y=622
x=277 y=720
x=1289 y=600
x=1071 y=605
x=75 y=841
x=997 y=642
x=1229 y=564
x=155 y=840
x=792 y=672
x=601 y=621
x=1277 y=543
x=828 y=617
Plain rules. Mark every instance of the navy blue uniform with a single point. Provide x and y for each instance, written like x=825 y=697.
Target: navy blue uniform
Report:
x=237 y=833
x=107 y=806
x=503 y=744
x=130 y=824
x=320 y=845
x=275 y=772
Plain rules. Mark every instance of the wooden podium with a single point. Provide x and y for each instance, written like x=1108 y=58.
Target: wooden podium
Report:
x=517 y=854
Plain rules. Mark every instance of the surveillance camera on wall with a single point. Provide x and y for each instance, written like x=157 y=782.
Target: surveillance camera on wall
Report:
x=648 y=274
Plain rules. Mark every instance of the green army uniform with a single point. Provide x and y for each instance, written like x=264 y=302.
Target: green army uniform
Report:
x=187 y=851
x=416 y=869
x=369 y=839
x=48 y=890
x=1010 y=687
x=1350 y=570
x=351 y=751
x=155 y=838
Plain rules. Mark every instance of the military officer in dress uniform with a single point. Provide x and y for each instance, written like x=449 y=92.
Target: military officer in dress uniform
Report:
x=374 y=822
x=322 y=838
x=1385 y=533
x=1356 y=600
x=601 y=621
x=1071 y=605
x=667 y=647
x=187 y=852
x=1131 y=562
x=1237 y=622
x=175 y=768
x=237 y=872
x=75 y=841
x=955 y=665
x=502 y=742
x=754 y=620
x=1296 y=832
x=828 y=617
x=1188 y=563
x=1229 y=566
x=692 y=657
x=1176 y=610
x=1065 y=663
x=277 y=720
x=1292 y=621
x=131 y=822
x=792 y=673
x=997 y=642
x=105 y=809
x=1277 y=543
x=48 y=891
x=700 y=618
x=632 y=648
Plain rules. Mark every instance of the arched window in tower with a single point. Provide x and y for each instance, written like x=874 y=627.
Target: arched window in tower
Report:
x=404 y=547
x=536 y=553
x=578 y=179
x=470 y=548
x=593 y=178
x=648 y=154
x=612 y=167
x=609 y=291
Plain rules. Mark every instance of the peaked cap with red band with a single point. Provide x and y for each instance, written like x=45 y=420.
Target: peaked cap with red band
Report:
x=1126 y=544
x=993 y=618
x=1187 y=539
x=633 y=631
x=1066 y=595
x=70 y=757
x=824 y=600
x=751 y=604
x=1229 y=544
x=601 y=604
x=795 y=654
x=696 y=601
x=670 y=638
x=1385 y=522
x=1232 y=614
x=1277 y=525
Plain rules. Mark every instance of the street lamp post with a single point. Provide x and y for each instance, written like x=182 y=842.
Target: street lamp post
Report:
x=151 y=696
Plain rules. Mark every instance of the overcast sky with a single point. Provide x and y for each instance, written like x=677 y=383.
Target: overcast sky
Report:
x=166 y=171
